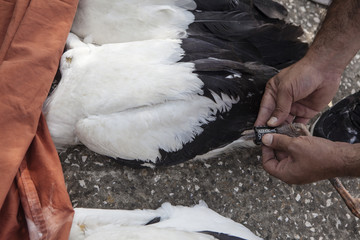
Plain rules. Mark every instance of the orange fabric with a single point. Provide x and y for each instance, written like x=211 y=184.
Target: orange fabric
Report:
x=33 y=198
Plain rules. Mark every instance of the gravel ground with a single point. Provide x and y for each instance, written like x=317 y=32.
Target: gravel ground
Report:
x=234 y=185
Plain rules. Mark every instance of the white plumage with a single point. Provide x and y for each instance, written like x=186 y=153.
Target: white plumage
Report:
x=110 y=21
x=130 y=101
x=140 y=133
x=174 y=222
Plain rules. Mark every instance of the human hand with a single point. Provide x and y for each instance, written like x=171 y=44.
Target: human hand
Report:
x=297 y=93
x=306 y=159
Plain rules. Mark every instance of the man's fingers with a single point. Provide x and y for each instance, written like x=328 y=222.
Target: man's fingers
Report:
x=281 y=155
x=267 y=107
x=275 y=167
x=301 y=120
x=271 y=163
x=269 y=159
x=303 y=111
x=290 y=119
x=276 y=141
x=281 y=112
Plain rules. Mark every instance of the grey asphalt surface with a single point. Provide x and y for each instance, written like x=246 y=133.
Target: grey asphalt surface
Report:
x=234 y=185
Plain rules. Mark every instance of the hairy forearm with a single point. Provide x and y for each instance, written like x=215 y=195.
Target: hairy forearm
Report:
x=338 y=40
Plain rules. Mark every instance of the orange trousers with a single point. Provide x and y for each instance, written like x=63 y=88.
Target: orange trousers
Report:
x=33 y=197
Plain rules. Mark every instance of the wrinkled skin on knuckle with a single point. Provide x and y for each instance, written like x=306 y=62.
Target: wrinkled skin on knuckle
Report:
x=305 y=140
x=280 y=110
x=271 y=88
x=286 y=91
x=303 y=110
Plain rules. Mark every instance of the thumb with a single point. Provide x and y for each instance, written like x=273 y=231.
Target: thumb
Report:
x=282 y=109
x=276 y=141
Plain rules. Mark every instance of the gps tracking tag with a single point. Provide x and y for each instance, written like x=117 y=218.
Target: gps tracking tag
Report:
x=261 y=131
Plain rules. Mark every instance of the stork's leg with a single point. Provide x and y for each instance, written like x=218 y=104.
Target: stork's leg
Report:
x=352 y=203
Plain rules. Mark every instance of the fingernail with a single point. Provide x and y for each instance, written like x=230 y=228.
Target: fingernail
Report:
x=267 y=139
x=272 y=121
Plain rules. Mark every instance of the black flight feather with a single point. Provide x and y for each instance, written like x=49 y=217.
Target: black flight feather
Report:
x=270 y=8
x=216 y=5
x=242 y=51
x=265 y=8
x=271 y=42
x=222 y=236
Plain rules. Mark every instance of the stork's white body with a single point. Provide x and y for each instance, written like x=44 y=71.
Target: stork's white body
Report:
x=153 y=82
x=175 y=222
